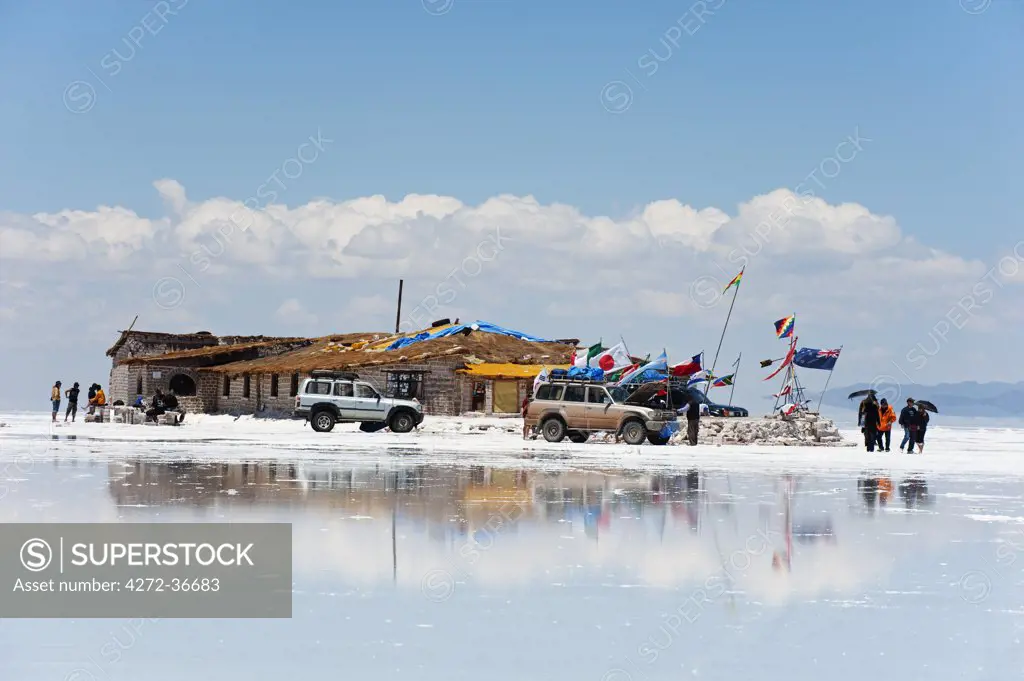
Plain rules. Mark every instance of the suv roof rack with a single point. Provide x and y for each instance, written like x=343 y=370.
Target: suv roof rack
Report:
x=328 y=373
x=574 y=379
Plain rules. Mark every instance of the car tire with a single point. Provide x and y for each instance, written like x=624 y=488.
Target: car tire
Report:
x=634 y=432
x=553 y=429
x=402 y=422
x=657 y=439
x=578 y=436
x=322 y=421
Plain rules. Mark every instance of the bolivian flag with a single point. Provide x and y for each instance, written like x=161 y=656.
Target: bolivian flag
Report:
x=735 y=281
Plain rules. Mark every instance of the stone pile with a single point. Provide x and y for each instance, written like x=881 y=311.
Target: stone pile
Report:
x=797 y=430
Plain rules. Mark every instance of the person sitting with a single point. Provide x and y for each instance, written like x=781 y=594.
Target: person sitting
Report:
x=139 y=402
x=98 y=399
x=157 y=407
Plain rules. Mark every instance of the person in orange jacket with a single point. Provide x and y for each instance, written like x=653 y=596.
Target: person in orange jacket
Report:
x=886 y=417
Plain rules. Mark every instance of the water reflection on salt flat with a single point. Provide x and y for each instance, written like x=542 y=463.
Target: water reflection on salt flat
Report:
x=460 y=572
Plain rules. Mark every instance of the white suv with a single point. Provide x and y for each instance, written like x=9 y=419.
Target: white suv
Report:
x=328 y=398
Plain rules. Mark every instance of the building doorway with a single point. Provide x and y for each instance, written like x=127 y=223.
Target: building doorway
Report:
x=479 y=402
x=182 y=385
x=506 y=397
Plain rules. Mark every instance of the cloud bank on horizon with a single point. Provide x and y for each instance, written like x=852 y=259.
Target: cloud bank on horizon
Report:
x=72 y=278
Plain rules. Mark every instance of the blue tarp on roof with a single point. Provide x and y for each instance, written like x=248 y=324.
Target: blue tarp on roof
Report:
x=477 y=327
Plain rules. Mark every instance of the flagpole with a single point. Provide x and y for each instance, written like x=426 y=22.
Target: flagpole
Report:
x=828 y=379
x=734 y=375
x=735 y=293
x=787 y=375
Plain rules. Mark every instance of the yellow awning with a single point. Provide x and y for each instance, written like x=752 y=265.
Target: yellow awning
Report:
x=509 y=371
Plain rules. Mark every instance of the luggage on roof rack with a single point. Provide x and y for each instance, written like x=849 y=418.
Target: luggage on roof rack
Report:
x=329 y=373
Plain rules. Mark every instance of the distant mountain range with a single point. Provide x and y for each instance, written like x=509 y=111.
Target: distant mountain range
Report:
x=969 y=398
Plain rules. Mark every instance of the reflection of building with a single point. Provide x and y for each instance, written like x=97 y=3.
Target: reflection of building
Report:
x=447 y=502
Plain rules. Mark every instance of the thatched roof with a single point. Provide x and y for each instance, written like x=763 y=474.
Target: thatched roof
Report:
x=477 y=346
x=158 y=336
x=241 y=345
x=215 y=352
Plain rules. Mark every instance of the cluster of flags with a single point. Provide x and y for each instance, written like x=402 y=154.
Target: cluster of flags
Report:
x=607 y=360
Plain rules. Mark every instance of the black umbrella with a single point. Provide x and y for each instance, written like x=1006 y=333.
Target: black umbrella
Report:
x=861 y=393
x=928 y=406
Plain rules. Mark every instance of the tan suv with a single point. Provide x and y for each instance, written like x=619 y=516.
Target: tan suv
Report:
x=575 y=409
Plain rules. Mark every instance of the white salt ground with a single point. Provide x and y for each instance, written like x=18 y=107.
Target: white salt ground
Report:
x=494 y=441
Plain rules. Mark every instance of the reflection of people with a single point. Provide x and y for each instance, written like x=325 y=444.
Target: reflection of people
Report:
x=876 y=491
x=914 y=492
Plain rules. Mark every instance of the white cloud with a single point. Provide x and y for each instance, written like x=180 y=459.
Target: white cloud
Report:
x=292 y=311
x=852 y=276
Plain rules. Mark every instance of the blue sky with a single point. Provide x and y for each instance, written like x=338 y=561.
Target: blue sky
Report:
x=500 y=97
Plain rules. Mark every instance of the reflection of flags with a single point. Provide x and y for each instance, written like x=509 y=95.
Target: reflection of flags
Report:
x=785 y=362
x=735 y=281
x=784 y=326
x=687 y=368
x=723 y=381
x=811 y=358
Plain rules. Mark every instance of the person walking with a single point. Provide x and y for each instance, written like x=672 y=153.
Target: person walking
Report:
x=525 y=406
x=72 y=395
x=886 y=417
x=870 y=421
x=693 y=421
x=907 y=415
x=55 y=400
x=922 y=419
x=863 y=405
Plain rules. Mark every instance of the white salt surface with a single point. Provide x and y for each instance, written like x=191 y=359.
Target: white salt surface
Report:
x=493 y=441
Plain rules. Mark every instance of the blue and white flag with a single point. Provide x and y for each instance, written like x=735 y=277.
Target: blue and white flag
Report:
x=660 y=363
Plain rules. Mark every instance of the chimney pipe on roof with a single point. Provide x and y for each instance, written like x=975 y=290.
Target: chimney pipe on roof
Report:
x=398 y=314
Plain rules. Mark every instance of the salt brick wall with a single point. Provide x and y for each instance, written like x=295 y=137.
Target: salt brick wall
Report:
x=444 y=392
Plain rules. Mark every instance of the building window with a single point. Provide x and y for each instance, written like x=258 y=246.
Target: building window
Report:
x=294 y=389
x=138 y=384
x=227 y=386
x=245 y=385
x=273 y=385
x=404 y=384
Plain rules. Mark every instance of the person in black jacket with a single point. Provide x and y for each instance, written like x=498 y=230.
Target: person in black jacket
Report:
x=870 y=421
x=157 y=407
x=907 y=416
x=693 y=421
x=921 y=420
x=72 y=395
